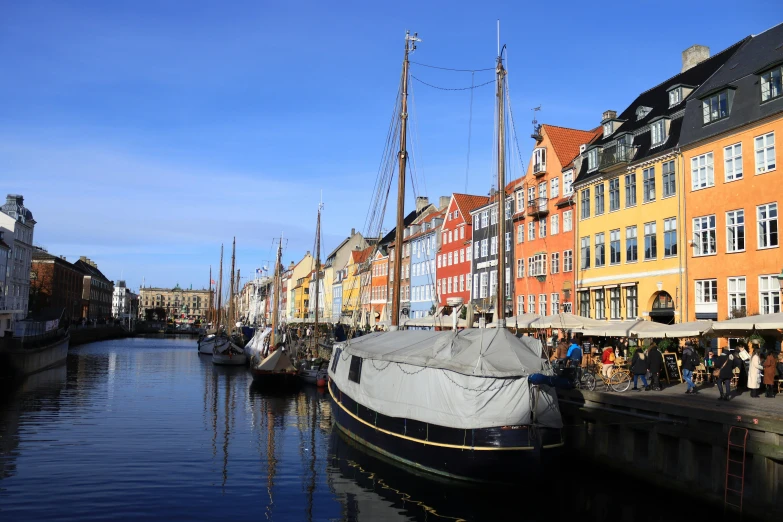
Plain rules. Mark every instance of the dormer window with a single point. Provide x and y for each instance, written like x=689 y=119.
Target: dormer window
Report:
x=592 y=159
x=771 y=86
x=675 y=96
x=607 y=128
x=642 y=111
x=715 y=107
x=658 y=132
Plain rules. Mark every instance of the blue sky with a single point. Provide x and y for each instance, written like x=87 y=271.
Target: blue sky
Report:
x=143 y=134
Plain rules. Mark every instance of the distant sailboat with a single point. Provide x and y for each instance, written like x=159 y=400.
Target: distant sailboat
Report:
x=225 y=352
x=316 y=373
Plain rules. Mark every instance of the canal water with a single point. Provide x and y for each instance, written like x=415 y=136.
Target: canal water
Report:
x=147 y=429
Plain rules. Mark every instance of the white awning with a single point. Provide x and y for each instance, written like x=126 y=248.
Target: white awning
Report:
x=612 y=328
x=650 y=329
x=752 y=322
x=519 y=321
x=566 y=322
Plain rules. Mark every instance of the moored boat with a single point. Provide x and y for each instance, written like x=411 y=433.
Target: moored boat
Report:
x=226 y=353
x=314 y=373
x=275 y=371
x=206 y=344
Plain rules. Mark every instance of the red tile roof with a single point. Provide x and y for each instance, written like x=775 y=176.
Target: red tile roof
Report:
x=467 y=202
x=362 y=255
x=566 y=141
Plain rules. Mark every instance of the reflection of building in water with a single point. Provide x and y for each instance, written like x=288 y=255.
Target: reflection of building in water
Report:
x=219 y=406
x=40 y=391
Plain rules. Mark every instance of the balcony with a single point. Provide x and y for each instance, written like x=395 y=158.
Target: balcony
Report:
x=614 y=155
x=539 y=169
x=537 y=207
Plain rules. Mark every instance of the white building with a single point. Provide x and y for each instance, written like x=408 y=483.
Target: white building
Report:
x=5 y=314
x=17 y=226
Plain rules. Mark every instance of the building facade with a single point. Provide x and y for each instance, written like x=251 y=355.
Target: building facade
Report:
x=97 y=290
x=732 y=186
x=629 y=208
x=55 y=283
x=180 y=305
x=422 y=243
x=299 y=272
x=337 y=294
x=18 y=227
x=6 y=315
x=453 y=261
x=379 y=293
x=544 y=223
x=335 y=262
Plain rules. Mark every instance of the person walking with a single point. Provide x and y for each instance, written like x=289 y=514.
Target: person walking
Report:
x=656 y=364
x=639 y=366
x=769 y=374
x=709 y=364
x=607 y=360
x=756 y=368
x=725 y=363
x=690 y=361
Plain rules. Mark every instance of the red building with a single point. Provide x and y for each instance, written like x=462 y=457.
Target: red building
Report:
x=454 y=255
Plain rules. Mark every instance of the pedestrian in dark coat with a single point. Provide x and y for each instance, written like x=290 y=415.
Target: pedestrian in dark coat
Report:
x=769 y=374
x=656 y=365
x=639 y=366
x=726 y=363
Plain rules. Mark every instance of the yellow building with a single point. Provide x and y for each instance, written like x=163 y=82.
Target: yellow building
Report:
x=301 y=294
x=297 y=271
x=351 y=305
x=629 y=204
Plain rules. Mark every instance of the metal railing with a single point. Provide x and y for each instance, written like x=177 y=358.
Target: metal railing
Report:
x=620 y=153
x=537 y=206
x=539 y=168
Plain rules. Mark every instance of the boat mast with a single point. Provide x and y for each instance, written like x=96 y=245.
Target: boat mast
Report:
x=500 y=308
x=317 y=272
x=410 y=46
x=237 y=294
x=219 y=292
x=276 y=304
x=231 y=287
x=210 y=304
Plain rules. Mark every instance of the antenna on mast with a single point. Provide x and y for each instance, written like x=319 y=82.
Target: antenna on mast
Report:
x=498 y=31
x=536 y=126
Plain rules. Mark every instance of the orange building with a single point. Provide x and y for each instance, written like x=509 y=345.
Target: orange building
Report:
x=379 y=291
x=544 y=223
x=733 y=187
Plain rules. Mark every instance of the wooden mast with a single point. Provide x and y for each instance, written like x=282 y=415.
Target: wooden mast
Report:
x=237 y=294
x=276 y=303
x=410 y=46
x=500 y=307
x=219 y=292
x=210 y=305
x=231 y=287
x=317 y=272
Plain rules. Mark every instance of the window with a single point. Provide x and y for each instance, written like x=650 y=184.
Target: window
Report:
x=555 y=304
x=531 y=231
x=670 y=237
x=568 y=260
x=702 y=174
x=483 y=289
x=476 y=248
x=448 y=283
x=521 y=233
x=769 y=294
x=484 y=247
x=735 y=231
x=493 y=216
x=461 y=256
x=508 y=210
x=530 y=266
x=451 y=238
x=335 y=359
x=567 y=221
x=675 y=96
x=600 y=305
x=542 y=193
x=658 y=132
x=631 y=302
x=765 y=153
x=451 y=259
x=440 y=285
x=732 y=159
x=476 y=222
x=508 y=241
x=614 y=303
x=555 y=225
x=475 y=286
x=650 y=241
x=704 y=236
x=648 y=177
x=493 y=283
x=607 y=128
x=542 y=227
x=555 y=262
x=592 y=159
x=531 y=195
x=585 y=203
x=568 y=183
x=630 y=190
x=355 y=371
x=485 y=219
x=542 y=304
x=585 y=245
x=539 y=265
x=715 y=107
x=531 y=304
x=767 y=218
x=669 y=184
x=461 y=234
x=520 y=201
x=520 y=304
x=584 y=304
x=771 y=84
x=599 y=199
x=737 y=298
x=520 y=268
x=467 y=253
x=600 y=250
x=539 y=160
x=614 y=247
x=554 y=187
x=707 y=291
x=614 y=194
x=493 y=249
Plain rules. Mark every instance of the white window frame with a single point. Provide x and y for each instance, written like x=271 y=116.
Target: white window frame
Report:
x=769 y=294
x=771 y=81
x=520 y=268
x=735 y=223
x=520 y=304
x=531 y=304
x=542 y=228
x=732 y=162
x=600 y=247
x=736 y=291
x=531 y=231
x=764 y=236
x=568 y=260
x=542 y=304
x=702 y=171
x=520 y=195
x=493 y=245
x=484 y=247
x=520 y=233
x=554 y=225
x=704 y=236
x=555 y=304
x=554 y=187
x=568 y=221
x=555 y=261
x=706 y=291
x=657 y=132
x=483 y=281
x=764 y=157
x=568 y=183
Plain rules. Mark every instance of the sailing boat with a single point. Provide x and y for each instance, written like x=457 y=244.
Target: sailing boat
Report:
x=269 y=363
x=455 y=403
x=315 y=373
x=226 y=352
x=206 y=344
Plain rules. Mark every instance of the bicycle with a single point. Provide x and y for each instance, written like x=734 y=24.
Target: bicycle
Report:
x=619 y=379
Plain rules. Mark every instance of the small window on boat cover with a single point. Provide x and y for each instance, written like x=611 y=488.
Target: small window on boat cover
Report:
x=336 y=359
x=355 y=373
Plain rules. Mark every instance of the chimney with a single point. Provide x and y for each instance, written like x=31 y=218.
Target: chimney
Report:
x=443 y=202
x=83 y=258
x=353 y=232
x=609 y=115
x=693 y=56
x=11 y=199
x=421 y=202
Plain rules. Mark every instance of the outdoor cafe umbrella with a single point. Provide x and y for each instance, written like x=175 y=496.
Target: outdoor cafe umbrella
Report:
x=611 y=328
x=751 y=322
x=650 y=329
x=565 y=322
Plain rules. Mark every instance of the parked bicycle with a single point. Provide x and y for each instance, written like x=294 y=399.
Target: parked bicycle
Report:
x=619 y=379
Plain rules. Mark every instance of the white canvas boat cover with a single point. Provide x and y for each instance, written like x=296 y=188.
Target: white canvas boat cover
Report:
x=255 y=346
x=751 y=322
x=276 y=361
x=466 y=380
x=611 y=328
x=650 y=329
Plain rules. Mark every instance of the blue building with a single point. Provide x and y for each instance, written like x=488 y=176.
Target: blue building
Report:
x=422 y=242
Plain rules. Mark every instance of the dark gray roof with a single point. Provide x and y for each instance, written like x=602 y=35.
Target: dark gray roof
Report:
x=741 y=73
x=14 y=207
x=88 y=269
